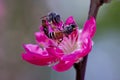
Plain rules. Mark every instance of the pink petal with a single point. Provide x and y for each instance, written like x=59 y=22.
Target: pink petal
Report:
x=89 y=28
x=74 y=56
x=37 y=56
x=85 y=48
x=69 y=57
x=32 y=48
x=41 y=28
x=58 y=53
x=38 y=59
x=40 y=37
x=43 y=40
x=70 y=20
x=63 y=65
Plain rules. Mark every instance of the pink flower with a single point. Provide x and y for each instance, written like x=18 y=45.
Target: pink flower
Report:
x=61 y=56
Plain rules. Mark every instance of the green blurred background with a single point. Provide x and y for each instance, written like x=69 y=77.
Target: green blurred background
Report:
x=19 y=19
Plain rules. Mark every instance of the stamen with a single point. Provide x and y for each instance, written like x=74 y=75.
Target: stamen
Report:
x=69 y=44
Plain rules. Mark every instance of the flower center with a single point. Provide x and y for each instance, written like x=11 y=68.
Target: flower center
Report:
x=69 y=44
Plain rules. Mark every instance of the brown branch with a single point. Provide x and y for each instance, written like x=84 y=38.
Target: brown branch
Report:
x=93 y=10
x=80 y=69
x=94 y=7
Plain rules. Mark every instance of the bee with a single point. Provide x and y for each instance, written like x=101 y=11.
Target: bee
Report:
x=60 y=34
x=51 y=35
x=56 y=35
x=68 y=29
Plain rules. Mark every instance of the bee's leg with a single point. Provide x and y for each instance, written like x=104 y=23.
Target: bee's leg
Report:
x=46 y=31
x=66 y=35
x=59 y=41
x=53 y=27
x=59 y=29
x=63 y=26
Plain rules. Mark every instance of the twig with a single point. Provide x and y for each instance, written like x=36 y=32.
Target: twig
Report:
x=94 y=7
x=93 y=10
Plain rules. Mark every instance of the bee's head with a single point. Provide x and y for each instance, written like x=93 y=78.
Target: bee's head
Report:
x=73 y=26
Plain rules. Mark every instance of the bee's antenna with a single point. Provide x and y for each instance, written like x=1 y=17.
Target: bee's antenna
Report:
x=43 y=17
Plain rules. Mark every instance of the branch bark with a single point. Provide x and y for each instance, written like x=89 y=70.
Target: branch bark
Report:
x=93 y=10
